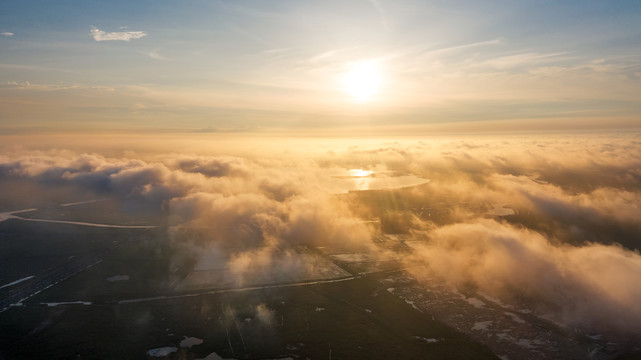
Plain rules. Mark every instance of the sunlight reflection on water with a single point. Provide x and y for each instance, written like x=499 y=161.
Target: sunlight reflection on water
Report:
x=360 y=179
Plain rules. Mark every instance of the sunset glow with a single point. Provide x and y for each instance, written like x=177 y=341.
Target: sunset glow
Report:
x=320 y=179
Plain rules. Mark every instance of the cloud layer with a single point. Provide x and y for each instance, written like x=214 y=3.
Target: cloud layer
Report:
x=570 y=247
x=594 y=286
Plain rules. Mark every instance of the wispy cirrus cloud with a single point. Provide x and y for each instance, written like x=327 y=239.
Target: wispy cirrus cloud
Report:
x=100 y=35
x=381 y=13
x=7 y=34
x=156 y=56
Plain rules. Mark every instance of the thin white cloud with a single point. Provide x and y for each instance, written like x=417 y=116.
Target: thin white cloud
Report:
x=100 y=35
x=455 y=48
x=155 y=55
x=381 y=12
x=525 y=59
x=31 y=67
x=7 y=34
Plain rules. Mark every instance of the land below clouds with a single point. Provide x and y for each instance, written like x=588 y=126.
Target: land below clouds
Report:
x=564 y=241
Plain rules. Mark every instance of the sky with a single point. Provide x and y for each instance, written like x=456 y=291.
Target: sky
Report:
x=285 y=66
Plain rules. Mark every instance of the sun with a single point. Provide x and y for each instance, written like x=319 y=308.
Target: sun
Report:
x=362 y=80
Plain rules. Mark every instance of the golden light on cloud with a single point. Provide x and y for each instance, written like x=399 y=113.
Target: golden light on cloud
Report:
x=360 y=173
x=362 y=80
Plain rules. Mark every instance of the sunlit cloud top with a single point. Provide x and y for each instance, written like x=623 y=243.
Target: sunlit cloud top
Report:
x=292 y=65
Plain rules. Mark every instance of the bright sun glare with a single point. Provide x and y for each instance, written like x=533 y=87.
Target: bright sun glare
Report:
x=362 y=80
x=360 y=173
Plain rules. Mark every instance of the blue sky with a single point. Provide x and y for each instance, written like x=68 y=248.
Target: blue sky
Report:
x=278 y=65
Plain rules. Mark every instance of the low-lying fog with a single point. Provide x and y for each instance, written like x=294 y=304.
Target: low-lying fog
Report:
x=565 y=236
